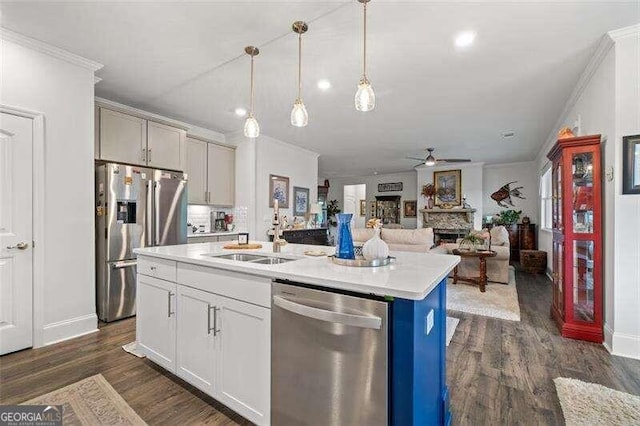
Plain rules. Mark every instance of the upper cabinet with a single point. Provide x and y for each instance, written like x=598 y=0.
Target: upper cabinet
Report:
x=165 y=146
x=221 y=172
x=125 y=138
x=211 y=170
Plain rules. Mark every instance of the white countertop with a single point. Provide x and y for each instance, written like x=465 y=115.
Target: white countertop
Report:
x=411 y=276
x=211 y=234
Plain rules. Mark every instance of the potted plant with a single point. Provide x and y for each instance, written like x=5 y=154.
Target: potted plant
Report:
x=332 y=211
x=508 y=217
x=474 y=240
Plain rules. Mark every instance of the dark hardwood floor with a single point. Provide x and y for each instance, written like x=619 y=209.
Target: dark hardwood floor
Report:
x=499 y=372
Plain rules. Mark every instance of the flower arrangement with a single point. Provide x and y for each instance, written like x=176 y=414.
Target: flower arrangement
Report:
x=374 y=223
x=428 y=190
x=474 y=240
x=332 y=211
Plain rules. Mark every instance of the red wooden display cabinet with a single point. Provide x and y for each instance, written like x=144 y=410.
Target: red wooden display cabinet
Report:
x=577 y=237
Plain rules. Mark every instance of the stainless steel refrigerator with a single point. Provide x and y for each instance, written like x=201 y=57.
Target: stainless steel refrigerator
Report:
x=135 y=207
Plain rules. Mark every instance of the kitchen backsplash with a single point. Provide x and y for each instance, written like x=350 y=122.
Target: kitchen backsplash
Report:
x=200 y=215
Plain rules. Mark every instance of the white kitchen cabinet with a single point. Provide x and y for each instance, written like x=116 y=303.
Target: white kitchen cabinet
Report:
x=244 y=359
x=156 y=320
x=195 y=337
x=221 y=170
x=197 y=170
x=123 y=137
x=166 y=147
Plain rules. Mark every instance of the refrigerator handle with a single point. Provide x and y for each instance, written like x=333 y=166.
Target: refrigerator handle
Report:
x=149 y=212
x=156 y=209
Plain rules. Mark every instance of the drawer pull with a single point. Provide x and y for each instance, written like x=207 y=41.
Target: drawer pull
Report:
x=169 y=311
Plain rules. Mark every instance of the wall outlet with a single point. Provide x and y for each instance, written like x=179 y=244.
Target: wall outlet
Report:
x=428 y=322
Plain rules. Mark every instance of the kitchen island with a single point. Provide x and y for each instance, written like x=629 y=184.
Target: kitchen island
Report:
x=210 y=316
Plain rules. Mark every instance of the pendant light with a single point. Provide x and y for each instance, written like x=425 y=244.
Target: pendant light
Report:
x=365 y=99
x=299 y=115
x=251 y=126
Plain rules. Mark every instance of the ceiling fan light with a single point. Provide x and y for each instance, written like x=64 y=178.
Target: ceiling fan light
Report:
x=430 y=161
x=365 y=98
x=251 y=127
x=299 y=115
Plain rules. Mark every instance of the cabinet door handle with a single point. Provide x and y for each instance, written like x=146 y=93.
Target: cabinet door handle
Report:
x=143 y=154
x=215 y=321
x=149 y=155
x=209 y=309
x=169 y=311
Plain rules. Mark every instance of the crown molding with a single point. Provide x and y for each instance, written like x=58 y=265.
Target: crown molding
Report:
x=604 y=45
x=48 y=49
x=514 y=163
x=624 y=32
x=96 y=79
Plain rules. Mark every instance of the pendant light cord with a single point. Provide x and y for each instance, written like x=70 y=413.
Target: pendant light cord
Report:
x=251 y=98
x=364 y=55
x=299 y=65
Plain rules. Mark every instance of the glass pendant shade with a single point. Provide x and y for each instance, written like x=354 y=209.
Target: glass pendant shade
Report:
x=365 y=99
x=299 y=116
x=251 y=127
x=430 y=161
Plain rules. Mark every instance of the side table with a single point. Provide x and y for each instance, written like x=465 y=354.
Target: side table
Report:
x=482 y=256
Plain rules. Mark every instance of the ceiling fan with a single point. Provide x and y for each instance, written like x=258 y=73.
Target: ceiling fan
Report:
x=430 y=160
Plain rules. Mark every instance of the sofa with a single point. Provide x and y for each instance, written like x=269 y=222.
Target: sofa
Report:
x=414 y=240
x=497 y=267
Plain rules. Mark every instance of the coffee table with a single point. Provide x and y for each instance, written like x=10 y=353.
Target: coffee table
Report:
x=482 y=256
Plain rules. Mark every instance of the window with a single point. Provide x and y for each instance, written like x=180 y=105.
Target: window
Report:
x=546 y=220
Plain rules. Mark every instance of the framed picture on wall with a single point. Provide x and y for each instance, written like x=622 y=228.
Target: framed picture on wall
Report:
x=279 y=190
x=448 y=185
x=363 y=207
x=300 y=201
x=410 y=208
x=631 y=165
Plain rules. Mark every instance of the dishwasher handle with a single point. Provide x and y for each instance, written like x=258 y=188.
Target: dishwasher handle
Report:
x=362 y=321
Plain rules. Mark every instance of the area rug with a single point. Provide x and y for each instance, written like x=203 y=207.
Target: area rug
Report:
x=499 y=301
x=132 y=348
x=91 y=401
x=591 y=404
x=452 y=323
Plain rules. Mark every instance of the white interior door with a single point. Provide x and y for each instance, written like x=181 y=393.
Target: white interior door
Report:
x=16 y=233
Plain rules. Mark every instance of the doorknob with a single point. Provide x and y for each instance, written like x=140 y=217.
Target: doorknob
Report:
x=19 y=246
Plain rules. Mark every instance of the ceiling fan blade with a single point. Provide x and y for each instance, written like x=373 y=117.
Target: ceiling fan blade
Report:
x=419 y=164
x=416 y=158
x=453 y=160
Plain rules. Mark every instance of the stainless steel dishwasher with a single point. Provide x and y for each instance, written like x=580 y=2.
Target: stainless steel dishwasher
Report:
x=328 y=358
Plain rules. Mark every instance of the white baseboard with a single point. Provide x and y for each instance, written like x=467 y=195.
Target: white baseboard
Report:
x=626 y=345
x=68 y=329
x=608 y=338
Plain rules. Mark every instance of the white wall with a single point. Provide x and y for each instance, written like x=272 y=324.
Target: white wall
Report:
x=408 y=193
x=255 y=161
x=63 y=92
x=352 y=196
x=471 y=186
x=496 y=175
x=626 y=331
x=606 y=100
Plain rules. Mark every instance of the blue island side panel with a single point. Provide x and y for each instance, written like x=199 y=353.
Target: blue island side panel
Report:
x=419 y=394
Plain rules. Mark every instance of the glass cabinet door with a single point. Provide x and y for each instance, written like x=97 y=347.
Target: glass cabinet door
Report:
x=558 y=281
x=582 y=192
x=583 y=291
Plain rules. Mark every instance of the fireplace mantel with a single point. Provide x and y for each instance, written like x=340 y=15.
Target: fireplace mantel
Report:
x=448 y=218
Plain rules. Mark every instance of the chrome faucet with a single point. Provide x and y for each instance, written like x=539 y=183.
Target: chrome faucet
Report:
x=277 y=232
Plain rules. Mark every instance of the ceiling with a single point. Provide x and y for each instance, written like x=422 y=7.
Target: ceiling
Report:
x=185 y=60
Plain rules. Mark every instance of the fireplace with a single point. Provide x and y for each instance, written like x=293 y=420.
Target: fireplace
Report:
x=448 y=224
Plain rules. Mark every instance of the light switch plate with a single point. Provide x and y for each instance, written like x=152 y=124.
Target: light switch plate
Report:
x=429 y=322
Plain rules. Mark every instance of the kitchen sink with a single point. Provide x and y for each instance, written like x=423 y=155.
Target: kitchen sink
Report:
x=239 y=257
x=252 y=258
x=273 y=260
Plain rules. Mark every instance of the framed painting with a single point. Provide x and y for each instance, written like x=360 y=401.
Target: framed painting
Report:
x=363 y=207
x=410 y=208
x=631 y=165
x=448 y=185
x=300 y=201
x=279 y=190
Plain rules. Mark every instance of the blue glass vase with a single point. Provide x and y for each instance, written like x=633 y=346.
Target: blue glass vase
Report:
x=344 y=246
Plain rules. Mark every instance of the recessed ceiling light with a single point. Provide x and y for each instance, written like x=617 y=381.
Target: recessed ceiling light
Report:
x=465 y=39
x=241 y=112
x=324 y=85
